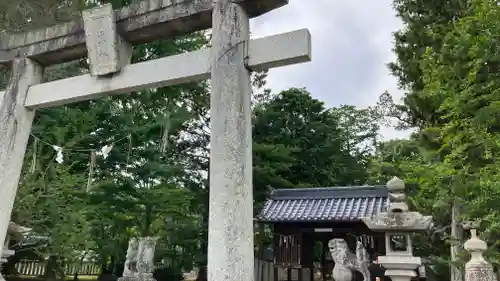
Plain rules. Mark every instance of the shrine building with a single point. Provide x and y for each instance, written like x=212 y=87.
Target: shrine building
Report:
x=304 y=220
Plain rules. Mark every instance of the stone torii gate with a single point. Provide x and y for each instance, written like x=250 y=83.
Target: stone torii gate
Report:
x=107 y=38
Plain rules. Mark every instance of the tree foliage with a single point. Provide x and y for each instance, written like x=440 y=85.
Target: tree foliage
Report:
x=447 y=59
x=324 y=150
x=464 y=75
x=154 y=180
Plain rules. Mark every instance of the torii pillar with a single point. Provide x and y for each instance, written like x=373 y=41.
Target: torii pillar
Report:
x=106 y=39
x=230 y=234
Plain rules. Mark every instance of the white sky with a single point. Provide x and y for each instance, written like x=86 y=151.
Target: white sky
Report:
x=351 y=45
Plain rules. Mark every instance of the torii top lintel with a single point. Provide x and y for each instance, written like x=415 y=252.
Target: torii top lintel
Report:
x=143 y=22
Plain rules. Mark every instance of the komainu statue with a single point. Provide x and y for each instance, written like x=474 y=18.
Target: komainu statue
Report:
x=130 y=269
x=346 y=262
x=139 y=264
x=145 y=257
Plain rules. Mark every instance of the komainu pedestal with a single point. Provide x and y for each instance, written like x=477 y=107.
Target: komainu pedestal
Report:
x=139 y=264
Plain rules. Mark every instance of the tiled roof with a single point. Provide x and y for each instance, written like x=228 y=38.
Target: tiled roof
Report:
x=324 y=204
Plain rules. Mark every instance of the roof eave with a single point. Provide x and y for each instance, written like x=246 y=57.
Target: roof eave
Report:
x=311 y=221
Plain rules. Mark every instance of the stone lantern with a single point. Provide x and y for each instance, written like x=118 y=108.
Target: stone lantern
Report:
x=478 y=268
x=399 y=223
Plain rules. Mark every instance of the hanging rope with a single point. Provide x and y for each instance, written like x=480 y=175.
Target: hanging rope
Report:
x=92 y=164
x=34 y=158
x=129 y=151
x=164 y=138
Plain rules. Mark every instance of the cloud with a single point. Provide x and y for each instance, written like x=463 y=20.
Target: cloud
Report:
x=351 y=45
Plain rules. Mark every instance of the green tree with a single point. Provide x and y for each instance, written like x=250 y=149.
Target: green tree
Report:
x=426 y=23
x=390 y=159
x=133 y=190
x=295 y=120
x=464 y=76
x=359 y=130
x=406 y=158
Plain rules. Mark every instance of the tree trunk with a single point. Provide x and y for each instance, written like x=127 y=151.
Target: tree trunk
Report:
x=456 y=272
x=202 y=263
x=51 y=269
x=148 y=214
x=104 y=267
x=202 y=273
x=111 y=265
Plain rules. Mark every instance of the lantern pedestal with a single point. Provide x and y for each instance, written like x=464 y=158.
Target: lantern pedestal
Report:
x=400 y=268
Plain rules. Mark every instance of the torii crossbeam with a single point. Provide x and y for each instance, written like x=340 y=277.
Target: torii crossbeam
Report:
x=107 y=37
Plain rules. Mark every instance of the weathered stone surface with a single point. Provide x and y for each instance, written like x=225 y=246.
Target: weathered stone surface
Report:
x=398 y=218
x=228 y=61
x=400 y=268
x=273 y=51
x=15 y=128
x=230 y=233
x=101 y=40
x=478 y=268
x=346 y=262
x=280 y=50
x=398 y=223
x=5 y=56
x=144 y=22
x=15 y=231
x=130 y=267
x=405 y=221
x=139 y=264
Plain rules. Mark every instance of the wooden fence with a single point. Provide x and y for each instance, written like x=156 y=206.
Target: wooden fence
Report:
x=37 y=268
x=264 y=271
